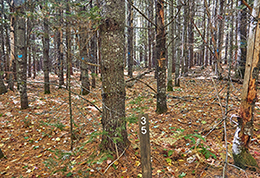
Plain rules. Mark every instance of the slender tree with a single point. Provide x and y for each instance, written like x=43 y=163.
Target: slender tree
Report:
x=130 y=36
x=171 y=58
x=60 y=49
x=112 y=73
x=178 y=50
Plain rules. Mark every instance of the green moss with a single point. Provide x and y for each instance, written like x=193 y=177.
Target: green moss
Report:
x=169 y=86
x=245 y=160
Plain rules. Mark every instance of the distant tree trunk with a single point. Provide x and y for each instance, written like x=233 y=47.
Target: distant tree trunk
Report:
x=46 y=59
x=29 y=29
x=204 y=48
x=34 y=56
x=12 y=46
x=83 y=55
x=161 y=106
x=171 y=58
x=191 y=34
x=221 y=29
x=112 y=73
x=68 y=45
x=243 y=43
x=130 y=39
x=150 y=34
x=21 y=58
x=185 y=38
x=60 y=51
x=93 y=54
x=244 y=132
x=178 y=51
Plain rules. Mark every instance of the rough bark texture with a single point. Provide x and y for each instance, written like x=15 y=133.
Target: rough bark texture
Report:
x=178 y=51
x=83 y=55
x=161 y=106
x=130 y=36
x=46 y=47
x=242 y=33
x=244 y=134
x=93 y=53
x=171 y=58
x=60 y=51
x=12 y=57
x=112 y=73
x=22 y=62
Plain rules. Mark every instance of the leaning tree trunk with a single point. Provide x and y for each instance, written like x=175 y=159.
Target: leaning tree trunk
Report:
x=161 y=106
x=112 y=73
x=244 y=133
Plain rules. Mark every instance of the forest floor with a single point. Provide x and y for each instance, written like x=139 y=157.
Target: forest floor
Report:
x=37 y=141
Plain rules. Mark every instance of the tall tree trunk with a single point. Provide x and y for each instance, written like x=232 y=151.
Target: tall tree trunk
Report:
x=112 y=73
x=243 y=43
x=244 y=132
x=21 y=58
x=68 y=44
x=12 y=47
x=130 y=39
x=93 y=53
x=221 y=28
x=178 y=51
x=171 y=58
x=83 y=55
x=28 y=44
x=191 y=34
x=161 y=106
x=185 y=38
x=60 y=51
x=34 y=55
x=46 y=60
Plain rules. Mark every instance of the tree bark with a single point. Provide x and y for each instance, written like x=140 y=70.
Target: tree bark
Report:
x=161 y=106
x=46 y=59
x=130 y=39
x=21 y=58
x=60 y=51
x=242 y=26
x=244 y=132
x=112 y=73
x=83 y=55
x=178 y=52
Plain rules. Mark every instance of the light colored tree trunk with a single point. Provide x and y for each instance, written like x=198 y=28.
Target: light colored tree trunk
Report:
x=112 y=73
x=244 y=132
